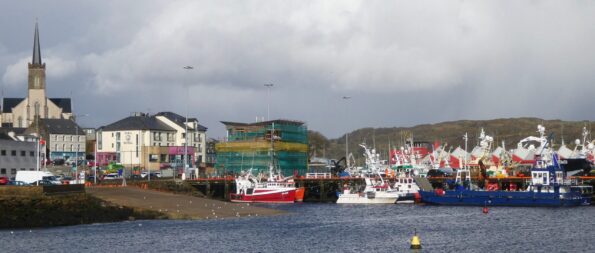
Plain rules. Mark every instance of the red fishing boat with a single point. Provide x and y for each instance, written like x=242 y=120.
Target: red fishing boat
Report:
x=275 y=189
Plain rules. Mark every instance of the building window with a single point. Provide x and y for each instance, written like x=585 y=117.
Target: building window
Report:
x=157 y=136
x=71 y=147
x=63 y=147
x=13 y=153
x=3 y=171
x=78 y=147
x=118 y=136
x=117 y=147
x=23 y=153
x=153 y=158
x=20 y=121
x=3 y=152
x=54 y=138
x=99 y=141
x=13 y=171
x=31 y=153
x=36 y=109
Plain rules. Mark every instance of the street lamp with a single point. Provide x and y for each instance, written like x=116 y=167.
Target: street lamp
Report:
x=345 y=98
x=78 y=145
x=186 y=127
x=269 y=86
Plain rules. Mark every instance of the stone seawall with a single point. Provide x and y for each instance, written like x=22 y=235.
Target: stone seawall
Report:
x=28 y=208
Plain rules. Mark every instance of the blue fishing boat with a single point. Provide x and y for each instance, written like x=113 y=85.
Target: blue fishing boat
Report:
x=549 y=187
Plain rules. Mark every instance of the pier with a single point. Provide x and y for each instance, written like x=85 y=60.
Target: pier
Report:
x=325 y=189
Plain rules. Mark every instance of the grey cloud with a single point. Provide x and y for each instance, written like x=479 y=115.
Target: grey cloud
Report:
x=404 y=62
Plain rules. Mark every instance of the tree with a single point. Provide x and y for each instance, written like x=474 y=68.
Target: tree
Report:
x=318 y=144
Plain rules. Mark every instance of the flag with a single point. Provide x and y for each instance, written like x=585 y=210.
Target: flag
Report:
x=42 y=142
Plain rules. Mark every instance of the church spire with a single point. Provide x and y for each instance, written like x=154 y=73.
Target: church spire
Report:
x=36 y=50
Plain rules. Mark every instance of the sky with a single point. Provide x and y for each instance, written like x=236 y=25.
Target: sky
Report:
x=335 y=65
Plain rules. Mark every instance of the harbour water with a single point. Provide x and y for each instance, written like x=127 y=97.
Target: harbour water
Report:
x=331 y=228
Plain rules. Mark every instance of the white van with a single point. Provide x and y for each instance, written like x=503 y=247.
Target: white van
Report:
x=34 y=176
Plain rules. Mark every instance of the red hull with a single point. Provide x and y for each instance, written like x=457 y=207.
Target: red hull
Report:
x=265 y=196
x=299 y=194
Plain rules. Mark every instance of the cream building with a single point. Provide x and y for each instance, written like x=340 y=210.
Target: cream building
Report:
x=152 y=142
x=21 y=112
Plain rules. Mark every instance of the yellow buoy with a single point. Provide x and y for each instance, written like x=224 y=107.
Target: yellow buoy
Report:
x=415 y=242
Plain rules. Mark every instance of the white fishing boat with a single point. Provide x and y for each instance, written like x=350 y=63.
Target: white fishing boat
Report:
x=374 y=193
x=377 y=191
x=406 y=188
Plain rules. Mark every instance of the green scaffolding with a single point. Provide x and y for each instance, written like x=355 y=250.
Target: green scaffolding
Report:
x=288 y=133
x=288 y=162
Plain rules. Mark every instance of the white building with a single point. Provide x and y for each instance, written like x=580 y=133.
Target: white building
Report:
x=152 y=141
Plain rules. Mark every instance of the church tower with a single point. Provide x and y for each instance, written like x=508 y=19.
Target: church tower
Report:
x=37 y=102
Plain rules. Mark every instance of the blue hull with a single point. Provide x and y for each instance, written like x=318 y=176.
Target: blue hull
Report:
x=503 y=198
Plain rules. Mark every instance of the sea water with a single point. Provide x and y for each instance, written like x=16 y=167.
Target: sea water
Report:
x=331 y=228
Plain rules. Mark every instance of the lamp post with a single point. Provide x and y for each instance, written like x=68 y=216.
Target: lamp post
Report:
x=186 y=126
x=78 y=146
x=95 y=157
x=346 y=98
x=269 y=86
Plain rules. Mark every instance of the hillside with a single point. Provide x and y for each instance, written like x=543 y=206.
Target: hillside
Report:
x=508 y=130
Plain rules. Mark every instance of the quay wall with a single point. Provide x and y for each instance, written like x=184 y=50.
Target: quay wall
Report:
x=28 y=207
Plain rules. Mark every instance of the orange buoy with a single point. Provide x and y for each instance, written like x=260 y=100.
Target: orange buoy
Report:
x=485 y=209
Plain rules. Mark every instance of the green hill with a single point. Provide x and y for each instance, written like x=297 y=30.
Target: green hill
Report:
x=508 y=130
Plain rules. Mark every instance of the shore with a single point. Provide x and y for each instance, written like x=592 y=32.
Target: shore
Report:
x=176 y=206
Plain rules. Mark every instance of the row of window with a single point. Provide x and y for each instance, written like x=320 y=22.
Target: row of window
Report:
x=171 y=136
x=65 y=147
x=56 y=137
x=4 y=152
x=12 y=171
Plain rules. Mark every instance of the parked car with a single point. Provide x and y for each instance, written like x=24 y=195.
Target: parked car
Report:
x=18 y=183
x=111 y=176
x=43 y=182
x=3 y=180
x=59 y=162
x=136 y=176
x=153 y=174
x=91 y=178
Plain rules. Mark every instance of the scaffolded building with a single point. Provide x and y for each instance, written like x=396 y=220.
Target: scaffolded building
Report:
x=256 y=146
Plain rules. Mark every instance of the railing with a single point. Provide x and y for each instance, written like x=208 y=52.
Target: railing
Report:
x=318 y=175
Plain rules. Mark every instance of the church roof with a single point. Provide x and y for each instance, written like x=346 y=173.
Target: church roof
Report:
x=62 y=126
x=63 y=103
x=36 y=48
x=138 y=123
x=9 y=103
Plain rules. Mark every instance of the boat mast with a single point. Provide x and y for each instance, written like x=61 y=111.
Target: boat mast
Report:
x=271 y=152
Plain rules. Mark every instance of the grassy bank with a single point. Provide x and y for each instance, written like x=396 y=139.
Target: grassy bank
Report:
x=27 y=208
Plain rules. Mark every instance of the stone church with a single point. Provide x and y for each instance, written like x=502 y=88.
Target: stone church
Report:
x=21 y=112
